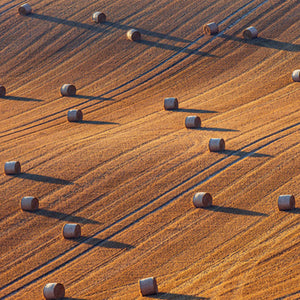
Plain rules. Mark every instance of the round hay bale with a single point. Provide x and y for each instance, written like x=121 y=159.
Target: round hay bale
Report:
x=99 y=17
x=71 y=231
x=170 y=103
x=54 y=291
x=68 y=90
x=216 y=145
x=133 y=35
x=202 y=199
x=148 y=286
x=75 y=115
x=286 y=202
x=192 y=122
x=210 y=28
x=2 y=91
x=296 y=75
x=29 y=203
x=250 y=33
x=25 y=9
x=12 y=168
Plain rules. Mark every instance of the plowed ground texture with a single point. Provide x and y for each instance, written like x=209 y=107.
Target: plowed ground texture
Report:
x=127 y=173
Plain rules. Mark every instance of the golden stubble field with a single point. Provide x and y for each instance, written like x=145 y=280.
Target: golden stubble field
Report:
x=128 y=172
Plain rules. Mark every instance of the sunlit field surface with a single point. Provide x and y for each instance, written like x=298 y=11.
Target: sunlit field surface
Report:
x=128 y=172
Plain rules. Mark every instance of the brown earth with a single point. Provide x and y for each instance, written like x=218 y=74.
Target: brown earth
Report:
x=128 y=172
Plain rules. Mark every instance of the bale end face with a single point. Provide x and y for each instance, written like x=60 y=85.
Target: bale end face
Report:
x=25 y=9
x=216 y=145
x=54 y=291
x=29 y=203
x=192 y=122
x=75 y=115
x=211 y=28
x=68 y=90
x=148 y=286
x=71 y=231
x=12 y=168
x=2 y=91
x=202 y=199
x=286 y=202
x=296 y=75
x=99 y=17
x=250 y=33
x=170 y=103
x=133 y=35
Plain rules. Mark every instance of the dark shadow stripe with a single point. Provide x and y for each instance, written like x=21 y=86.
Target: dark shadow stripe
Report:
x=63 y=216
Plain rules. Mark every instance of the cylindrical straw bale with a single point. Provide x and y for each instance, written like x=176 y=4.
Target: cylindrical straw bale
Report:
x=250 y=33
x=211 y=28
x=99 y=17
x=296 y=75
x=2 y=91
x=25 y=9
x=29 y=203
x=216 y=145
x=133 y=35
x=71 y=231
x=12 y=167
x=68 y=90
x=75 y=115
x=170 y=103
x=148 y=286
x=54 y=291
x=192 y=122
x=286 y=202
x=202 y=199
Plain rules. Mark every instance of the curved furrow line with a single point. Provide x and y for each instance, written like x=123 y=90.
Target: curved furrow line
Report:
x=80 y=104
x=106 y=30
x=192 y=225
x=119 y=155
x=145 y=183
x=155 y=67
x=211 y=252
x=149 y=115
x=159 y=35
x=87 y=42
x=108 y=161
x=143 y=218
x=181 y=51
x=156 y=209
x=103 y=164
x=69 y=24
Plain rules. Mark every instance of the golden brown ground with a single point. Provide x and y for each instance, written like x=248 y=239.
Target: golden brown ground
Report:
x=127 y=174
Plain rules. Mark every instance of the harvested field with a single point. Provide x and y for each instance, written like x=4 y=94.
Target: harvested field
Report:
x=128 y=171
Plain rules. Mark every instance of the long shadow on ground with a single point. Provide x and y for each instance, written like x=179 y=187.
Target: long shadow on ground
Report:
x=263 y=42
x=66 y=22
x=98 y=122
x=68 y=298
x=235 y=211
x=294 y=211
x=62 y=216
x=215 y=129
x=102 y=243
x=244 y=153
x=175 y=48
x=92 y=97
x=43 y=178
x=124 y=27
x=17 y=98
x=148 y=32
x=171 y=296
x=196 y=111
x=104 y=26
